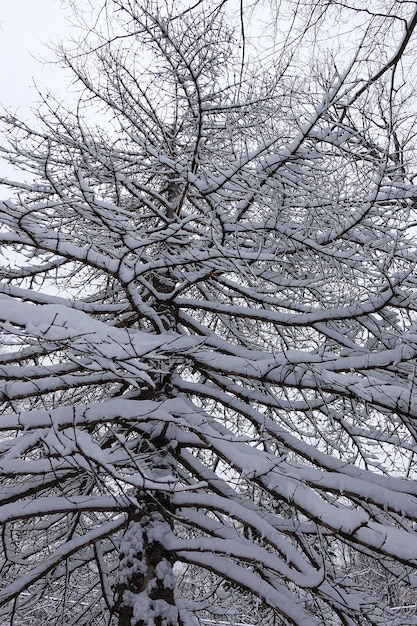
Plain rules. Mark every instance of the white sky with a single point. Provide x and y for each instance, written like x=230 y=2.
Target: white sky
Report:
x=24 y=24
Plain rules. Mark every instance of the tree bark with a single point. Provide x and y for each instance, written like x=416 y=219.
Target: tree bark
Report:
x=145 y=583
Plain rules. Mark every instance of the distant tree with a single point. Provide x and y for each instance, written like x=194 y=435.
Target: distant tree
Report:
x=208 y=313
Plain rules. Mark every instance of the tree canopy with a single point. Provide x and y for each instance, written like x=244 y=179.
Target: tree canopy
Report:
x=208 y=315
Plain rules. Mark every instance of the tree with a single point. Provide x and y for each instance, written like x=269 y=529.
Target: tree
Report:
x=208 y=311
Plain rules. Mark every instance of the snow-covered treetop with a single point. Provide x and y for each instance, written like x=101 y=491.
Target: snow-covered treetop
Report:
x=208 y=300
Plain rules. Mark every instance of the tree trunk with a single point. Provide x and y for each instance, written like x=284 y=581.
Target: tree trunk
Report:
x=145 y=582
x=145 y=585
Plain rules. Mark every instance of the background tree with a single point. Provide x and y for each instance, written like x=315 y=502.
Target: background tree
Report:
x=208 y=314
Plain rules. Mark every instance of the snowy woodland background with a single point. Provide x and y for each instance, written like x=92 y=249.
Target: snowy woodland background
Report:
x=208 y=320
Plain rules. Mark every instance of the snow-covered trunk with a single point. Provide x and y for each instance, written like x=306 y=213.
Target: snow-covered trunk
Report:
x=145 y=586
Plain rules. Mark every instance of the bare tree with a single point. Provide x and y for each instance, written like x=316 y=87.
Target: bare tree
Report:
x=208 y=311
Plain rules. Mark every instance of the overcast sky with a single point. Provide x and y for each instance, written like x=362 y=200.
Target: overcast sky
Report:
x=24 y=25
